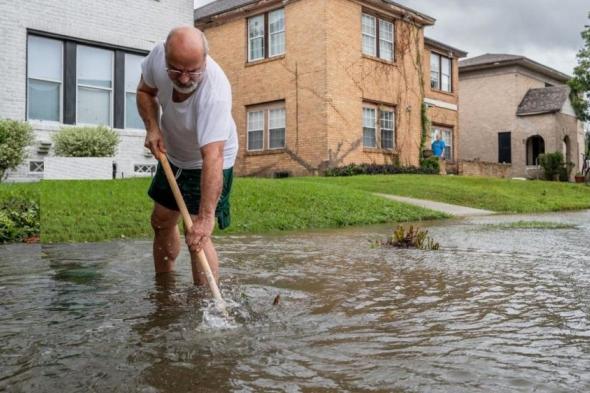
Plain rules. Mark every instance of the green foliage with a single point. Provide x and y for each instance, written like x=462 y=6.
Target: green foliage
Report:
x=554 y=166
x=19 y=214
x=580 y=83
x=111 y=209
x=375 y=169
x=86 y=142
x=411 y=238
x=430 y=163
x=15 y=136
x=426 y=124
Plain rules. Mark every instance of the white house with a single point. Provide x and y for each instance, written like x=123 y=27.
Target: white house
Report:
x=76 y=62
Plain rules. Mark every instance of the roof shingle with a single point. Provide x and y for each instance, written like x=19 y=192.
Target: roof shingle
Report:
x=543 y=100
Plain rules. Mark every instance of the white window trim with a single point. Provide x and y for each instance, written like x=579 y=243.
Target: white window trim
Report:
x=111 y=90
x=392 y=42
x=61 y=83
x=270 y=35
x=377 y=126
x=257 y=130
x=268 y=113
x=392 y=111
x=374 y=37
x=263 y=36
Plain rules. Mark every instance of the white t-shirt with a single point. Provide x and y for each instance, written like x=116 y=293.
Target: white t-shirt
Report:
x=203 y=118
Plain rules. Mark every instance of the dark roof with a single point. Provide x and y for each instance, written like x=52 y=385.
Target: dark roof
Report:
x=444 y=47
x=492 y=60
x=543 y=100
x=221 y=6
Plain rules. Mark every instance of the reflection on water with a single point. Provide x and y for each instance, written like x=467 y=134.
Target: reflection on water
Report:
x=494 y=310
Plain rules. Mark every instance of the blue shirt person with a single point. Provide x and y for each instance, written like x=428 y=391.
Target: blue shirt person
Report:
x=438 y=147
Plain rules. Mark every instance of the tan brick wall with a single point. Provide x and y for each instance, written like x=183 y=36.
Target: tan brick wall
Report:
x=480 y=168
x=324 y=80
x=354 y=78
x=488 y=105
x=298 y=78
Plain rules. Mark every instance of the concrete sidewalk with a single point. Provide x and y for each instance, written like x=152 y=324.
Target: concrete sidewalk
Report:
x=454 y=210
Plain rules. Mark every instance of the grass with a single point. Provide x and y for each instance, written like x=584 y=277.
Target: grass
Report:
x=510 y=196
x=76 y=211
x=530 y=225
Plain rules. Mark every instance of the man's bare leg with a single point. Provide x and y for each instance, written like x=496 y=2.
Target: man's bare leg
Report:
x=166 y=238
x=199 y=276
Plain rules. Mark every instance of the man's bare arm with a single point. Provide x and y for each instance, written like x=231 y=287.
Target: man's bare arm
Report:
x=148 y=107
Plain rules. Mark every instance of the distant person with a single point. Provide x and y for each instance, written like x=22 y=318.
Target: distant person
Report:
x=185 y=101
x=438 y=147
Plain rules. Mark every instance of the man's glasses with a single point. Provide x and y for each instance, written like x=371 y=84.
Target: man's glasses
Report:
x=175 y=74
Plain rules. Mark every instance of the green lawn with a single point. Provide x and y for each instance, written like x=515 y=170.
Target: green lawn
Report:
x=479 y=192
x=75 y=211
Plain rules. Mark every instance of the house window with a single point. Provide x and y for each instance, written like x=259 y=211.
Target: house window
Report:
x=276 y=128
x=384 y=128
x=132 y=76
x=266 y=127
x=440 y=72
x=45 y=78
x=95 y=85
x=266 y=35
x=447 y=136
x=255 y=130
x=71 y=82
x=378 y=37
x=36 y=166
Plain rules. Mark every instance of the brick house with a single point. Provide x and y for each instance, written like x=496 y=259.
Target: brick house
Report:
x=323 y=83
x=513 y=109
x=76 y=62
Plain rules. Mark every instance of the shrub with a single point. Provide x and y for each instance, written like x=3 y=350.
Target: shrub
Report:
x=86 y=142
x=430 y=163
x=412 y=238
x=554 y=166
x=374 y=169
x=15 y=136
x=19 y=217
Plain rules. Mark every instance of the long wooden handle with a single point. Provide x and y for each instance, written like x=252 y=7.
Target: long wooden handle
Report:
x=188 y=223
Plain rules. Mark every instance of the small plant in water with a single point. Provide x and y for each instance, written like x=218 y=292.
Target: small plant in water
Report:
x=410 y=238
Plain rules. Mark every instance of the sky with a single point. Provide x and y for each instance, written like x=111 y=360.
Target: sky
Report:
x=547 y=31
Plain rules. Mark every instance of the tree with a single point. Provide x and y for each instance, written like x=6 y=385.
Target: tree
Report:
x=580 y=83
x=15 y=136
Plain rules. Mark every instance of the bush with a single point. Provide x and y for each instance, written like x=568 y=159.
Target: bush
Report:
x=374 y=169
x=86 y=142
x=554 y=166
x=19 y=217
x=431 y=163
x=15 y=136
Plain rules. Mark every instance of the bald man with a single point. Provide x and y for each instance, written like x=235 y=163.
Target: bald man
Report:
x=197 y=133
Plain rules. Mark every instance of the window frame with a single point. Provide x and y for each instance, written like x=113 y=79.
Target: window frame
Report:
x=378 y=19
x=61 y=83
x=379 y=110
x=266 y=109
x=440 y=72
x=444 y=128
x=69 y=87
x=89 y=87
x=265 y=36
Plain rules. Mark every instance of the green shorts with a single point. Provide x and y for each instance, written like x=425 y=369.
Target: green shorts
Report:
x=189 y=182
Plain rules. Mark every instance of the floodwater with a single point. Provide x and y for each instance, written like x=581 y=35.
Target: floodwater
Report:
x=495 y=310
